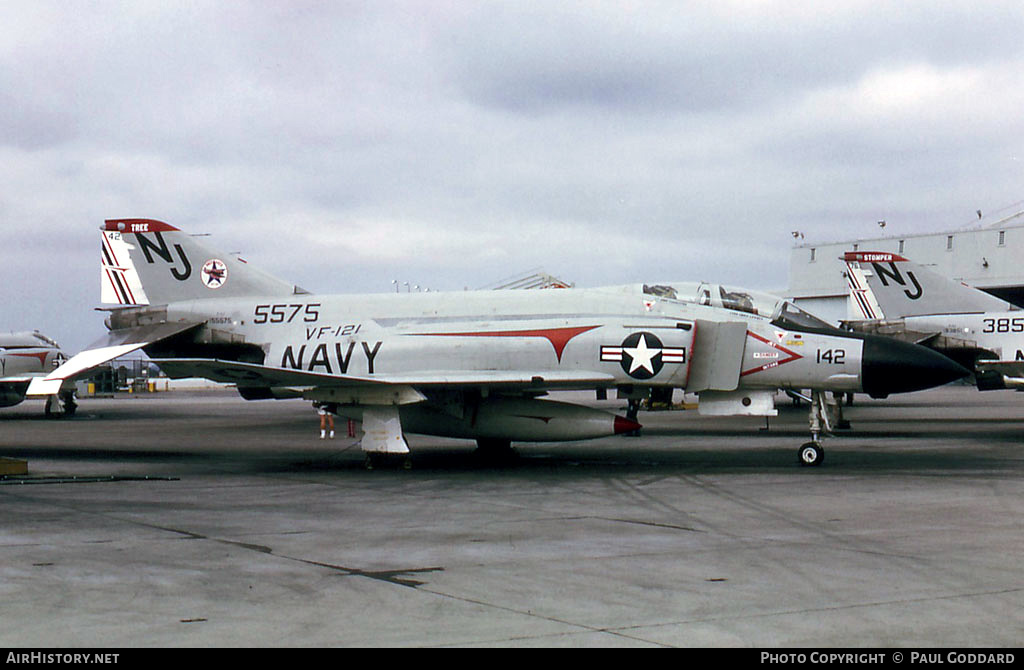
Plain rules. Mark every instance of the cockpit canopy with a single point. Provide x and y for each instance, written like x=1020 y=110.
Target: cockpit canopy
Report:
x=779 y=311
x=26 y=339
x=44 y=339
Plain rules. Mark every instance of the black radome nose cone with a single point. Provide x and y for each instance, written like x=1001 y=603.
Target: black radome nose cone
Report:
x=892 y=366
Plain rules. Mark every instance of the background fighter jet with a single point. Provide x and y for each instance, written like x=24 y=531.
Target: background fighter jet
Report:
x=25 y=356
x=897 y=297
x=471 y=364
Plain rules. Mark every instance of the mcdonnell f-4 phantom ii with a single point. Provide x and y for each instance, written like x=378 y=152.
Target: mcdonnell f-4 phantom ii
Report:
x=896 y=297
x=472 y=364
x=25 y=356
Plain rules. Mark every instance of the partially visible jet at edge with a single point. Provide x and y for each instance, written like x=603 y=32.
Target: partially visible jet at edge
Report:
x=897 y=297
x=26 y=355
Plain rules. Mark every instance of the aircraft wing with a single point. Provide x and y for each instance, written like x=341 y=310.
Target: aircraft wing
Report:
x=1006 y=368
x=117 y=343
x=250 y=374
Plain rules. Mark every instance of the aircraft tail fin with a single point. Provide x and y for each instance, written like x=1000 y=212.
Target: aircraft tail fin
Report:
x=150 y=262
x=862 y=304
x=903 y=288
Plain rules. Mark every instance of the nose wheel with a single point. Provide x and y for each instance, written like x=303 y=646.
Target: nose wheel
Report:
x=811 y=453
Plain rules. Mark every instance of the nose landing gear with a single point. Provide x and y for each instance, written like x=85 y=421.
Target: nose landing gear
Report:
x=812 y=453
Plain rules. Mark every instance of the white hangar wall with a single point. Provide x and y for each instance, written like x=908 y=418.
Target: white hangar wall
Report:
x=988 y=257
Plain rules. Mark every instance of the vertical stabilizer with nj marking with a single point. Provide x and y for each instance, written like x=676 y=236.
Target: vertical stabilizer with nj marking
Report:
x=902 y=288
x=148 y=262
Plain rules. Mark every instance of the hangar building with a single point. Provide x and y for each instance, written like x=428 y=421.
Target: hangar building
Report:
x=988 y=256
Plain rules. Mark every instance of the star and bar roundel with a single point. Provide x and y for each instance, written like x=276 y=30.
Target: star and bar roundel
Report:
x=642 y=355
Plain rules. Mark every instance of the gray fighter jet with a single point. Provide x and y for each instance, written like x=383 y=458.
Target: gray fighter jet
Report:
x=25 y=356
x=896 y=297
x=473 y=364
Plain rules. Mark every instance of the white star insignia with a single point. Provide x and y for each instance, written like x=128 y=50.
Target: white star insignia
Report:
x=642 y=356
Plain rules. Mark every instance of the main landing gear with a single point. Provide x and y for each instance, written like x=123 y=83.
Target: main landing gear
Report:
x=60 y=405
x=376 y=460
x=495 y=451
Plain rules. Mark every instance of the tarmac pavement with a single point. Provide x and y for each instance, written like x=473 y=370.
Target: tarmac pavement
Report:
x=202 y=520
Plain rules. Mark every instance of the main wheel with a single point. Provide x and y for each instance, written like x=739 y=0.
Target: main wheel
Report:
x=376 y=460
x=811 y=453
x=495 y=451
x=68 y=401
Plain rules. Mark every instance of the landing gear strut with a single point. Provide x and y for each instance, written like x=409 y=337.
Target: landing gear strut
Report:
x=632 y=413
x=60 y=405
x=812 y=453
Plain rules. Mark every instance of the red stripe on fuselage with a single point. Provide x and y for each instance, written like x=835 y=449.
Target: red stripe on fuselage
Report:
x=558 y=337
x=40 y=355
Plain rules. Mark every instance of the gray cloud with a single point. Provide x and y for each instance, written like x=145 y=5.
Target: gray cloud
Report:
x=685 y=57
x=345 y=145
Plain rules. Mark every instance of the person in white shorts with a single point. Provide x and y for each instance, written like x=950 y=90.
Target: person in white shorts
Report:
x=327 y=411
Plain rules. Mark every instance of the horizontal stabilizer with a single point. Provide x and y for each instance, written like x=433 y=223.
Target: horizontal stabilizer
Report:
x=117 y=343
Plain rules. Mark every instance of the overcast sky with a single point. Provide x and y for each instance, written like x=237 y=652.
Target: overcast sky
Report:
x=344 y=145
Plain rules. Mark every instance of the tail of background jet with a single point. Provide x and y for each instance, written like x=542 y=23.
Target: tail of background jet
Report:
x=902 y=288
x=862 y=305
x=150 y=262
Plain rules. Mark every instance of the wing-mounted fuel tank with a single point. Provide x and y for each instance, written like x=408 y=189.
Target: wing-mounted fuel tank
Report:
x=508 y=418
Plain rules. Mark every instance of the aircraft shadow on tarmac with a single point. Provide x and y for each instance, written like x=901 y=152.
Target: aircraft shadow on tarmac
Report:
x=128 y=439
x=531 y=461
